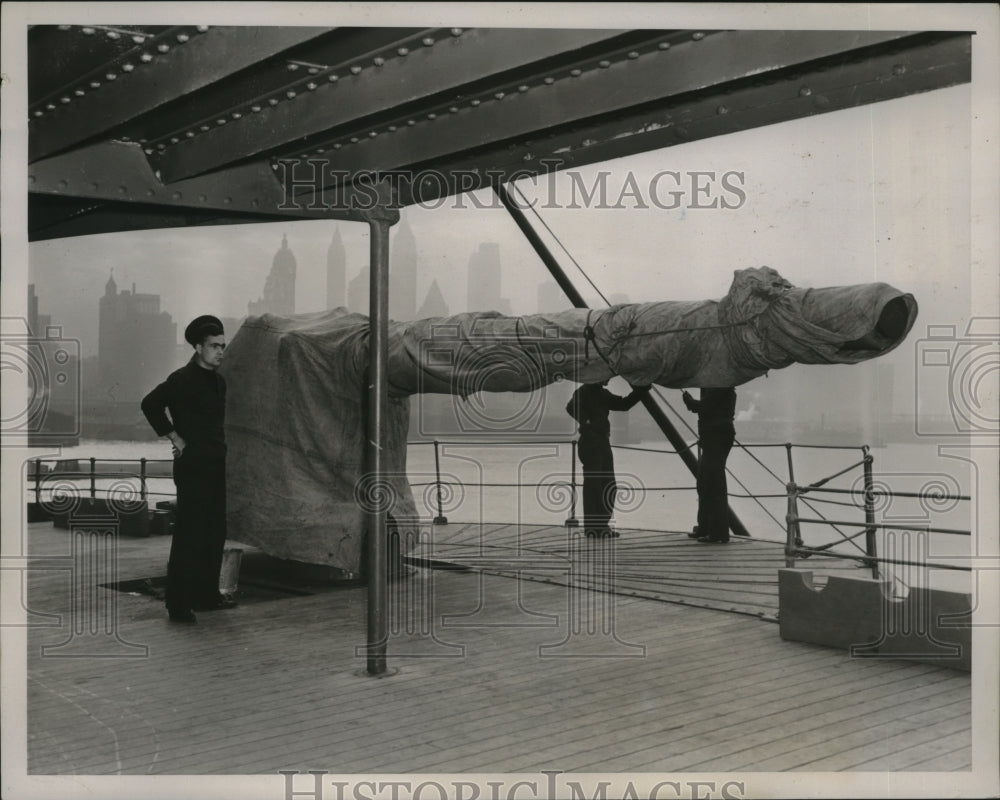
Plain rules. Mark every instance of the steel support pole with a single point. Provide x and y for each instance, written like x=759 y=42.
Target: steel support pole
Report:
x=871 y=545
x=378 y=396
x=661 y=419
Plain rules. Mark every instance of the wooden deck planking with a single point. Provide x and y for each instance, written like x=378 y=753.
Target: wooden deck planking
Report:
x=667 y=566
x=226 y=696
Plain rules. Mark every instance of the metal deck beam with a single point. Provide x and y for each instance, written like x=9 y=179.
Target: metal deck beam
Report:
x=166 y=67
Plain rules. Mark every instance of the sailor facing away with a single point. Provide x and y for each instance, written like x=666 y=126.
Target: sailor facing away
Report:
x=590 y=406
x=716 y=434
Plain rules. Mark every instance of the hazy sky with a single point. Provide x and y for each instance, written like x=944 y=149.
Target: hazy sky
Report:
x=876 y=193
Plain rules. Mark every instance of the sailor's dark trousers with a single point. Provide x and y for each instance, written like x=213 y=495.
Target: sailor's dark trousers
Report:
x=599 y=488
x=200 y=530
x=713 y=501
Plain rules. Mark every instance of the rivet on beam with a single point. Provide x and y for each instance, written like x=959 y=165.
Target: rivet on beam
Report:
x=337 y=145
x=432 y=115
x=176 y=195
x=138 y=39
x=128 y=67
x=698 y=36
x=290 y=94
x=255 y=109
x=313 y=70
x=63 y=184
x=320 y=150
x=174 y=140
x=427 y=41
x=79 y=92
x=182 y=37
x=633 y=54
x=122 y=190
x=805 y=91
x=148 y=151
x=378 y=61
x=113 y=34
x=63 y=100
x=356 y=69
x=604 y=64
x=392 y=129
x=663 y=45
x=722 y=110
x=255 y=202
x=65 y=27
x=475 y=102
x=37 y=113
x=145 y=58
x=87 y=31
x=150 y=193
x=549 y=80
x=204 y=127
x=453 y=109
x=202 y=28
x=898 y=69
x=236 y=115
x=111 y=76
x=273 y=101
x=576 y=73
x=456 y=31
x=95 y=84
x=161 y=146
x=220 y=121
x=292 y=67
x=163 y=48
x=332 y=78
x=311 y=86
x=189 y=134
x=403 y=50
x=50 y=107
x=202 y=198
x=499 y=95
x=411 y=122
x=372 y=134
x=94 y=185
x=227 y=200
x=523 y=87
x=354 y=140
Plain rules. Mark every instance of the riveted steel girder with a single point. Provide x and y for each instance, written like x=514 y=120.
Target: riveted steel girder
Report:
x=903 y=66
x=190 y=59
x=118 y=172
x=424 y=74
x=604 y=89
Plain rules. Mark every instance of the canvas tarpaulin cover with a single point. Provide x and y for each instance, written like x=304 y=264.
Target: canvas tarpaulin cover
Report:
x=295 y=415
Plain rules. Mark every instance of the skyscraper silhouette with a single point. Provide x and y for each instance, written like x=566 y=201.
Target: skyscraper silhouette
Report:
x=403 y=274
x=485 y=281
x=336 y=272
x=279 y=289
x=434 y=304
x=136 y=342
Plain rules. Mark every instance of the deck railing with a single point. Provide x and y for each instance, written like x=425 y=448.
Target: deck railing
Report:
x=49 y=482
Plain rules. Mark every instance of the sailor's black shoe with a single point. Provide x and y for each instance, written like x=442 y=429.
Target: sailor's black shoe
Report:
x=182 y=615
x=712 y=540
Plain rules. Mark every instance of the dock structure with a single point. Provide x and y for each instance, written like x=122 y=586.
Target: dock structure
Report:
x=496 y=674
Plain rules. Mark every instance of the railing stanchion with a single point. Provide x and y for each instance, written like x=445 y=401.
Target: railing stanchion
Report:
x=572 y=521
x=142 y=480
x=871 y=543
x=793 y=537
x=440 y=519
x=93 y=478
x=38 y=481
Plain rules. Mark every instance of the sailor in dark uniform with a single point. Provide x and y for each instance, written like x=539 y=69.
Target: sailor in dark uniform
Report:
x=590 y=406
x=195 y=397
x=716 y=434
